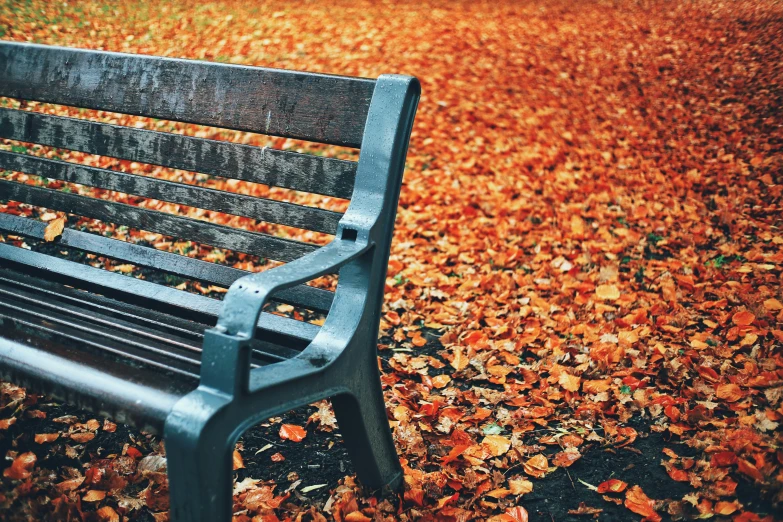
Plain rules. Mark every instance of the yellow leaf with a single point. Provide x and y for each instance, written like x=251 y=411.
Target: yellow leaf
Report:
x=459 y=362
x=497 y=444
x=520 y=487
x=569 y=382
x=237 y=459
x=773 y=305
x=54 y=229
x=440 y=381
x=94 y=495
x=609 y=292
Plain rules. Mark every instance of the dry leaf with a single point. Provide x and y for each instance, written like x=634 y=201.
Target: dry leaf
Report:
x=54 y=229
x=292 y=432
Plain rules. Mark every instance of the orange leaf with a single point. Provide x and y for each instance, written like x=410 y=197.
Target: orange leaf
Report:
x=536 y=466
x=54 y=229
x=21 y=466
x=729 y=392
x=569 y=382
x=612 y=485
x=743 y=318
x=237 y=460
x=519 y=514
x=41 y=438
x=94 y=495
x=459 y=362
x=520 y=487
x=292 y=432
x=565 y=458
x=497 y=444
x=107 y=514
x=641 y=504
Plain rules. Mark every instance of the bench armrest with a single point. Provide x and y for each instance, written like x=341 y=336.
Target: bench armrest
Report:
x=223 y=367
x=247 y=296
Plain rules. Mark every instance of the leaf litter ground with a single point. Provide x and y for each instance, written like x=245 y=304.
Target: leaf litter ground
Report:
x=583 y=309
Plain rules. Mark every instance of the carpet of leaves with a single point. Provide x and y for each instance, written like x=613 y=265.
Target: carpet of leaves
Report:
x=588 y=252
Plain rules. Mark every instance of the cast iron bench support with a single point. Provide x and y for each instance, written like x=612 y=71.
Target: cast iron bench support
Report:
x=202 y=423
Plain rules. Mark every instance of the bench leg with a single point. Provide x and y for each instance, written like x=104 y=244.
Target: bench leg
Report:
x=361 y=416
x=199 y=463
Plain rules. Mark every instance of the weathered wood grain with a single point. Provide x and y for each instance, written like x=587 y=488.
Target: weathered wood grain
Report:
x=303 y=172
x=263 y=245
x=313 y=107
x=304 y=296
x=272 y=211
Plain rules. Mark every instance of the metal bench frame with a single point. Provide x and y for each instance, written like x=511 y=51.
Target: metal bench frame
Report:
x=202 y=427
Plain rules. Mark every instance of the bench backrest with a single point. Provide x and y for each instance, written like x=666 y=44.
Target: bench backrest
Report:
x=313 y=107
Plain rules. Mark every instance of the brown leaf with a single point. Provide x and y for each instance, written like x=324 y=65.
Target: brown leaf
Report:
x=54 y=229
x=42 y=438
x=569 y=382
x=536 y=466
x=237 y=461
x=107 y=514
x=94 y=495
x=520 y=487
x=729 y=392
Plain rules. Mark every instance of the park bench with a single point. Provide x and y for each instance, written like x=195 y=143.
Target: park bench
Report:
x=187 y=366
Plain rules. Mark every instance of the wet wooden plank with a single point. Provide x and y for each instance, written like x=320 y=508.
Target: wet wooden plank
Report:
x=303 y=172
x=280 y=212
x=271 y=247
x=313 y=107
x=305 y=296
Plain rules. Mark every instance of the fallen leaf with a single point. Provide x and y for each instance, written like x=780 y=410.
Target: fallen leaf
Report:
x=743 y=318
x=729 y=392
x=237 y=461
x=569 y=382
x=94 y=495
x=497 y=444
x=639 y=503
x=21 y=467
x=536 y=466
x=54 y=229
x=612 y=485
x=41 y=438
x=292 y=432
x=520 y=486
x=107 y=514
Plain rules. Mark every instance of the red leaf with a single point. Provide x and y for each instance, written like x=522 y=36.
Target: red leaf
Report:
x=292 y=432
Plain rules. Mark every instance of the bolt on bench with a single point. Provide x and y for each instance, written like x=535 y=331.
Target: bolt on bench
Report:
x=193 y=368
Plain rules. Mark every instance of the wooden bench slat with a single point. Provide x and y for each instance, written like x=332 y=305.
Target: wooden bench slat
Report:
x=305 y=296
x=313 y=107
x=166 y=322
x=36 y=297
x=120 y=315
x=263 y=245
x=45 y=322
x=303 y=172
x=268 y=210
x=122 y=341
x=139 y=290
